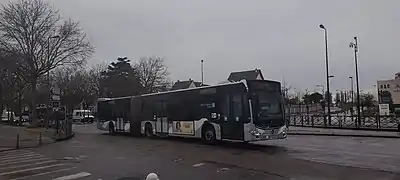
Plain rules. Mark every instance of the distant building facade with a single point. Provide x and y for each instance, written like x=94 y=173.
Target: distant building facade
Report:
x=247 y=75
x=186 y=84
x=389 y=93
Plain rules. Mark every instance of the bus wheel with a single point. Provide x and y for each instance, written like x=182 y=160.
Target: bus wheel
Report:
x=208 y=134
x=111 y=129
x=148 y=130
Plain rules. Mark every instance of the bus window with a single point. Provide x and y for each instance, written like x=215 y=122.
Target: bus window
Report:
x=237 y=107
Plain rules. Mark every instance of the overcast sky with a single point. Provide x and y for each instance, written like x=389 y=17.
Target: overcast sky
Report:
x=280 y=37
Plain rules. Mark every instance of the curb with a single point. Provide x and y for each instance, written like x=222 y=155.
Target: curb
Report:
x=343 y=135
x=6 y=149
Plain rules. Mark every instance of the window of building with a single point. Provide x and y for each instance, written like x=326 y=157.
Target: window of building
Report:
x=388 y=86
x=384 y=86
x=381 y=86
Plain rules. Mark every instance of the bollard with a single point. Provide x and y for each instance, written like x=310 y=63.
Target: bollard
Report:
x=152 y=176
x=40 y=138
x=17 y=145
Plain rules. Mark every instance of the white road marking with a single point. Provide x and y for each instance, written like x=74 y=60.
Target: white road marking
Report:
x=222 y=169
x=25 y=165
x=30 y=169
x=198 y=165
x=24 y=161
x=13 y=152
x=41 y=174
x=15 y=155
x=19 y=157
x=73 y=176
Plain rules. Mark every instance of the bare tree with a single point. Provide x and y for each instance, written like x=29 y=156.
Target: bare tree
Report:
x=94 y=79
x=35 y=31
x=152 y=72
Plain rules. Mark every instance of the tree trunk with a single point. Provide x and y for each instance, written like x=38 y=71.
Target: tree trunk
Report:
x=33 y=118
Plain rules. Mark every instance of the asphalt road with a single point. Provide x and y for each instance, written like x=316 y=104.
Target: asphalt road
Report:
x=96 y=155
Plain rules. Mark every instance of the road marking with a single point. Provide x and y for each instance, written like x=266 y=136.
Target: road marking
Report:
x=41 y=174
x=24 y=161
x=73 y=176
x=223 y=169
x=30 y=169
x=25 y=165
x=19 y=157
x=198 y=165
x=15 y=154
x=4 y=153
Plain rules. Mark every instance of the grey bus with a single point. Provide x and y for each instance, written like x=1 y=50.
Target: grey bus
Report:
x=249 y=110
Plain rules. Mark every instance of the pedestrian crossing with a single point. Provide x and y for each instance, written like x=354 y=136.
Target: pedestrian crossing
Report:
x=29 y=165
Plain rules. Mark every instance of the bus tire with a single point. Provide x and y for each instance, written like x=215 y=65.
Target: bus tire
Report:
x=111 y=129
x=208 y=134
x=148 y=130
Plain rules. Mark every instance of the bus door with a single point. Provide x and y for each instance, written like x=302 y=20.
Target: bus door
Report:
x=231 y=119
x=161 y=117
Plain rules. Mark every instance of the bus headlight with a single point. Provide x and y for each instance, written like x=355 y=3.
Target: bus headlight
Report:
x=255 y=133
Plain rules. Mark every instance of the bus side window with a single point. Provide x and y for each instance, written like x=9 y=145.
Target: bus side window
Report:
x=237 y=106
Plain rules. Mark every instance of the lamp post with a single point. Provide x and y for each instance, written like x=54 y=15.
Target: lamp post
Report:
x=354 y=45
x=352 y=97
x=327 y=72
x=202 y=72
x=351 y=90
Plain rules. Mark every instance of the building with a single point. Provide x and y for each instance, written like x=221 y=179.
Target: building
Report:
x=186 y=84
x=389 y=93
x=247 y=75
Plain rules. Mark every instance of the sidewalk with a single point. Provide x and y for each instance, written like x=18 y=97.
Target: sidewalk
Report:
x=295 y=130
x=13 y=137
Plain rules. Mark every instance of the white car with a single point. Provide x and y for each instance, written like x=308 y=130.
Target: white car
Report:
x=83 y=116
x=8 y=115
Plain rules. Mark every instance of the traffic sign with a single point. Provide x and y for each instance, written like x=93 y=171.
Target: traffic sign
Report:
x=55 y=97
x=56 y=104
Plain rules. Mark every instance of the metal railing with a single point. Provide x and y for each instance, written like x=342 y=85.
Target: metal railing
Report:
x=386 y=123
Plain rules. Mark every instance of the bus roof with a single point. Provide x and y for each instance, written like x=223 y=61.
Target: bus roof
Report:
x=244 y=82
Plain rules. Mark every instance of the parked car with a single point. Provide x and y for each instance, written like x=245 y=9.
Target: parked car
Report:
x=83 y=116
x=8 y=116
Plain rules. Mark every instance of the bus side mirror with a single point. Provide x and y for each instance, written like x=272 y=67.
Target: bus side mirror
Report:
x=215 y=116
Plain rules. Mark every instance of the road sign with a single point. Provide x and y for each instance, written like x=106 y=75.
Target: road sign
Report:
x=55 y=91
x=56 y=104
x=55 y=97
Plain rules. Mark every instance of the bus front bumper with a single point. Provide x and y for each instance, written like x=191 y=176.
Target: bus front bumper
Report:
x=268 y=134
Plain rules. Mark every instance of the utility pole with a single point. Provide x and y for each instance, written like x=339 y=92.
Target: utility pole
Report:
x=202 y=72
x=352 y=97
x=355 y=47
x=327 y=73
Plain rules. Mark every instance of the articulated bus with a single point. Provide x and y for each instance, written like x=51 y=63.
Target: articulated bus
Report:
x=242 y=111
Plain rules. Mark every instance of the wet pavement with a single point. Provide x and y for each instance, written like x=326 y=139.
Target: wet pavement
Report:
x=102 y=156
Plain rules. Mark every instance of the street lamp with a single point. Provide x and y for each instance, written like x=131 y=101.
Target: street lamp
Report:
x=327 y=72
x=352 y=90
x=355 y=47
x=202 y=72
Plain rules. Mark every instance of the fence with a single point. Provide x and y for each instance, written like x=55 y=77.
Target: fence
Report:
x=386 y=123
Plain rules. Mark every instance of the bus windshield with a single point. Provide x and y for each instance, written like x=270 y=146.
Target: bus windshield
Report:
x=267 y=103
